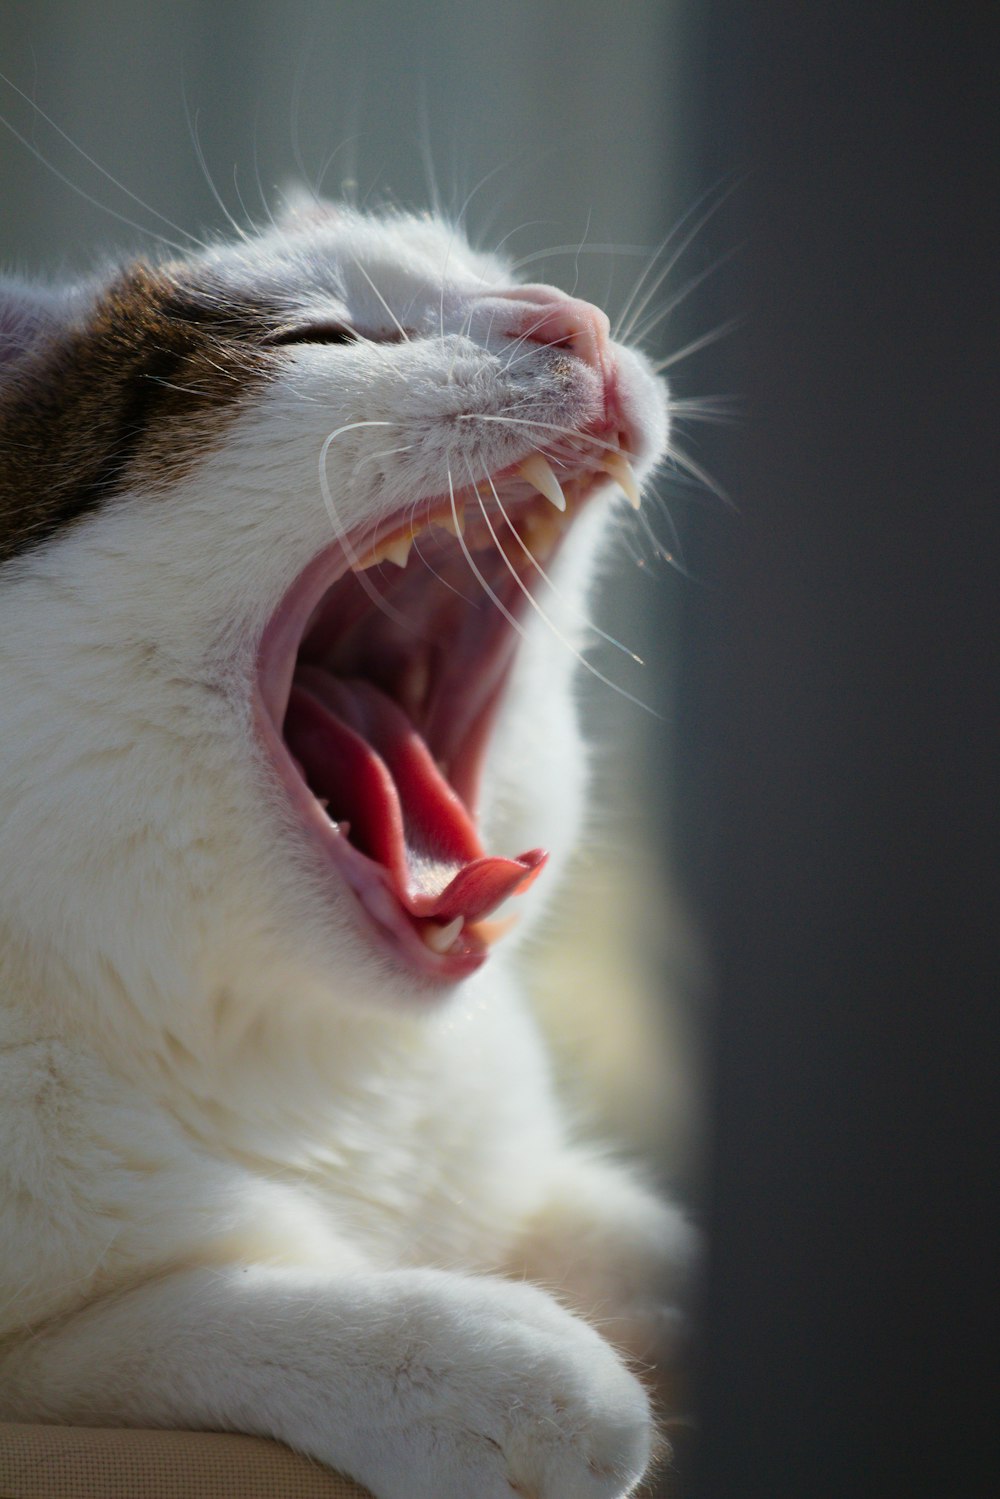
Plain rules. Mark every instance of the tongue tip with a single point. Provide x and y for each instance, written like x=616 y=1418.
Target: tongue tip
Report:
x=481 y=886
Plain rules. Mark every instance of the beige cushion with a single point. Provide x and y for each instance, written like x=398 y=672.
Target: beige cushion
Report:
x=83 y=1462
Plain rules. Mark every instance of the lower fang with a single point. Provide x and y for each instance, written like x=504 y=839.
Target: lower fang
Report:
x=439 y=938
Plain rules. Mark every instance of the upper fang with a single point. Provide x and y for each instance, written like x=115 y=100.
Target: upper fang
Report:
x=537 y=469
x=397 y=551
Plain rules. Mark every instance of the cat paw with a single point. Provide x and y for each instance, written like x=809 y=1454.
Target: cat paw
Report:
x=500 y=1392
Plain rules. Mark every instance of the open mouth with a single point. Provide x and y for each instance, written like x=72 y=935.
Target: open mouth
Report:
x=379 y=681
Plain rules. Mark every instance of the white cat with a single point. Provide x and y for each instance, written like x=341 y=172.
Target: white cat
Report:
x=280 y=1152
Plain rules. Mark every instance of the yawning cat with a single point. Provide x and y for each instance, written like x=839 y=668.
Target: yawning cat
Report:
x=286 y=718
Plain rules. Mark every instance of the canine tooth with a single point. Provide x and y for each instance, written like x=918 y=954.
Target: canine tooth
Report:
x=618 y=466
x=448 y=522
x=439 y=938
x=397 y=551
x=538 y=471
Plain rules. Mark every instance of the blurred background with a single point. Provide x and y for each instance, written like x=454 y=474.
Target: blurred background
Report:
x=541 y=125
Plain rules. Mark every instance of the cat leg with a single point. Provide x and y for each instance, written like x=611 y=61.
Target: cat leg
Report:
x=421 y=1384
x=620 y=1257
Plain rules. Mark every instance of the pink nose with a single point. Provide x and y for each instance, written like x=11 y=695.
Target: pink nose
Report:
x=546 y=315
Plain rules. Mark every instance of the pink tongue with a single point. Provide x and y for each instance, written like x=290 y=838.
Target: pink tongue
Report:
x=359 y=750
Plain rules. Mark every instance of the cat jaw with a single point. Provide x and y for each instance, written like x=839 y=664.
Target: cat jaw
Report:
x=150 y=849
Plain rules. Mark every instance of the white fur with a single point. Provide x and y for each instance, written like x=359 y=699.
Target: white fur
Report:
x=250 y=1178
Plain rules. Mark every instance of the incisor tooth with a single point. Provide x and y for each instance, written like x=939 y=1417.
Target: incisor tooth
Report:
x=538 y=471
x=618 y=466
x=439 y=938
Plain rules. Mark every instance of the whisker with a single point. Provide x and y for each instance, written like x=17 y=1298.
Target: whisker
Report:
x=638 y=334
x=402 y=331
x=385 y=453
x=469 y=558
x=426 y=155
x=239 y=196
x=349 y=142
x=596 y=629
x=722 y=331
x=702 y=475
x=521 y=421
x=622 y=328
x=340 y=530
x=563 y=640
x=256 y=172
x=518 y=265
x=39 y=156
x=89 y=197
x=192 y=125
x=720 y=409
x=414 y=539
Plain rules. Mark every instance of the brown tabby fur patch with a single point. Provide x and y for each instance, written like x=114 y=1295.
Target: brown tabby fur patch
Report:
x=135 y=393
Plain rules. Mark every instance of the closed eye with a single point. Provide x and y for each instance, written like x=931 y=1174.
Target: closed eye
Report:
x=333 y=333
x=316 y=333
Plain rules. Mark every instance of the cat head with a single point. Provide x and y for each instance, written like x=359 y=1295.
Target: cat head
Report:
x=295 y=537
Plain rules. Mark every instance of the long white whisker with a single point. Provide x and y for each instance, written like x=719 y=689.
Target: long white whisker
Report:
x=415 y=542
x=401 y=330
x=621 y=328
x=98 y=168
x=563 y=640
x=675 y=558
x=192 y=125
x=520 y=421
x=640 y=333
x=341 y=532
x=239 y=196
x=426 y=155
x=518 y=265
x=720 y=409
x=576 y=255
x=89 y=197
x=722 y=331
x=374 y=457
x=256 y=172
x=469 y=559
x=702 y=475
x=596 y=629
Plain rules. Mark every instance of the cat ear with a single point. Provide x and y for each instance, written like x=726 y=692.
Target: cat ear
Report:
x=28 y=315
x=300 y=205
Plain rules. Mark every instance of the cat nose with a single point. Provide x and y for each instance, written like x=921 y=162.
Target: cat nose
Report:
x=545 y=315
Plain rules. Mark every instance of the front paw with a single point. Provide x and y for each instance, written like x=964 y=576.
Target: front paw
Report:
x=498 y=1391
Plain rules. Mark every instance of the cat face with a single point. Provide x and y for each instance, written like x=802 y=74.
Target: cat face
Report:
x=297 y=537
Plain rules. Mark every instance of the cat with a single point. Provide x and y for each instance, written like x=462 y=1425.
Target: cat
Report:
x=287 y=720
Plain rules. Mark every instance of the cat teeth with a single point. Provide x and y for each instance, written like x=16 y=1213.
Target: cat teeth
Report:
x=453 y=524
x=439 y=938
x=618 y=466
x=397 y=551
x=540 y=529
x=387 y=551
x=538 y=471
